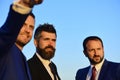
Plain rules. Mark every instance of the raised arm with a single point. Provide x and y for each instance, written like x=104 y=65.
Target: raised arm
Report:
x=16 y=17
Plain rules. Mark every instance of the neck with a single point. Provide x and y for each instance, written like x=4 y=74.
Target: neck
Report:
x=20 y=47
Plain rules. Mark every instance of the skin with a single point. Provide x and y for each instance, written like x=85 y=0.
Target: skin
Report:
x=94 y=51
x=46 y=45
x=30 y=3
x=25 y=33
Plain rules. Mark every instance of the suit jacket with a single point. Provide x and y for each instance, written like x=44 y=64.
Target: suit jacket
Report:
x=109 y=71
x=37 y=69
x=13 y=65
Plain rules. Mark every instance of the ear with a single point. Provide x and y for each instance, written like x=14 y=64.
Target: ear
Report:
x=85 y=53
x=35 y=42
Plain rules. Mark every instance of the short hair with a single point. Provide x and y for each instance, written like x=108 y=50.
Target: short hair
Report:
x=31 y=14
x=91 y=38
x=45 y=27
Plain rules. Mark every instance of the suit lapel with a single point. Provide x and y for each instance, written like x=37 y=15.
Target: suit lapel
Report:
x=56 y=70
x=82 y=75
x=41 y=69
x=86 y=73
x=103 y=70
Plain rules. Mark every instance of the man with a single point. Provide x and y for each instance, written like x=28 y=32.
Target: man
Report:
x=103 y=69
x=45 y=42
x=13 y=65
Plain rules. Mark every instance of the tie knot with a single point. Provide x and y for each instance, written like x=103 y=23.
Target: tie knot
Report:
x=94 y=69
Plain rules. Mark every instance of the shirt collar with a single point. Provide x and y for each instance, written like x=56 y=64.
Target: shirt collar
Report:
x=98 y=66
x=44 y=62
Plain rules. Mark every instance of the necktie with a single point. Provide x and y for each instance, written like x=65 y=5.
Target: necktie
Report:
x=93 y=74
x=53 y=70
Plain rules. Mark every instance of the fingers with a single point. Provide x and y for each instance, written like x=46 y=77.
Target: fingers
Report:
x=30 y=3
x=38 y=1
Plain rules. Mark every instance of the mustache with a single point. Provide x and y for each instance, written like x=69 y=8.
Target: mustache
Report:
x=96 y=56
x=50 y=47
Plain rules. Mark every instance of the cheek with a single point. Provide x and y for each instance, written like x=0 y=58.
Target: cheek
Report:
x=102 y=53
x=54 y=45
x=42 y=45
x=90 y=55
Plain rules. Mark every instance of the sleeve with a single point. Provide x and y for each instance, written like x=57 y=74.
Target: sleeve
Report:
x=20 y=8
x=10 y=29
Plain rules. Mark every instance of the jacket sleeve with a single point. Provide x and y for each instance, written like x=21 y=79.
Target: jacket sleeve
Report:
x=10 y=29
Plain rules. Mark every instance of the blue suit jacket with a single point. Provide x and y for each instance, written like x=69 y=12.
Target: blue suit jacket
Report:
x=13 y=64
x=109 y=71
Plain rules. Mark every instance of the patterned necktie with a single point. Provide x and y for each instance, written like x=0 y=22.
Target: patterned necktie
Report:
x=53 y=70
x=93 y=74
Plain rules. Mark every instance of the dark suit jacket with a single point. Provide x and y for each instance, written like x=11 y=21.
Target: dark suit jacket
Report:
x=13 y=65
x=109 y=71
x=37 y=69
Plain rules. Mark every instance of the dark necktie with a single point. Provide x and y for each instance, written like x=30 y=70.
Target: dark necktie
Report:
x=53 y=70
x=93 y=74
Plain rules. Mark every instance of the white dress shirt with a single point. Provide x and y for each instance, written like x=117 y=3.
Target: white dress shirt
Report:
x=98 y=68
x=46 y=65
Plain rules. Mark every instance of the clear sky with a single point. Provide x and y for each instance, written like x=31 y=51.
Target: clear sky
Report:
x=74 y=20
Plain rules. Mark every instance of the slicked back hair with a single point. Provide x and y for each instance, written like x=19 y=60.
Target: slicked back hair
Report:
x=91 y=38
x=31 y=14
x=45 y=27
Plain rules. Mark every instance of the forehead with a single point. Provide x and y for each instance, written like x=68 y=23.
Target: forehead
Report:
x=45 y=34
x=30 y=20
x=93 y=43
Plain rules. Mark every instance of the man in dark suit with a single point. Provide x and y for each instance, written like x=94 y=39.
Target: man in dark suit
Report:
x=45 y=42
x=104 y=70
x=13 y=65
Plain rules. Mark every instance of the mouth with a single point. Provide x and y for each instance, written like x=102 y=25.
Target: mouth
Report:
x=97 y=59
x=49 y=49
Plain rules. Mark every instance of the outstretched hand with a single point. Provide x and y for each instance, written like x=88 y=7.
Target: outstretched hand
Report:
x=30 y=3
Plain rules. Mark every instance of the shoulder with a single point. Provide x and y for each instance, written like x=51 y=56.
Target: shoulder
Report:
x=83 y=70
x=53 y=64
x=81 y=73
x=111 y=63
x=32 y=60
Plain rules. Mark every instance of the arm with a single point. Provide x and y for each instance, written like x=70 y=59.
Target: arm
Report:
x=16 y=18
x=10 y=29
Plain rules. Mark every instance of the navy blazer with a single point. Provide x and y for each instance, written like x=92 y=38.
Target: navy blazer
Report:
x=38 y=71
x=109 y=71
x=13 y=65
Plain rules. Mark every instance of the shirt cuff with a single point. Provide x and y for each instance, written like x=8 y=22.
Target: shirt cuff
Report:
x=20 y=8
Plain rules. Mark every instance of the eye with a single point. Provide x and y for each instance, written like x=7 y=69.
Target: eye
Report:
x=98 y=48
x=31 y=27
x=90 y=50
x=46 y=39
x=54 y=40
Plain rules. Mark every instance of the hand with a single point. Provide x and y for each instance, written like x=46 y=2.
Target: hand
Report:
x=30 y=3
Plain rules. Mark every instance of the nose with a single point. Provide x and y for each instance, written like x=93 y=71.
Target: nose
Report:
x=27 y=29
x=51 y=42
x=95 y=52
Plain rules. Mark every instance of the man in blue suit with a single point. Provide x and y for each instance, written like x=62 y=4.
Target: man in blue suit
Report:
x=13 y=65
x=105 y=70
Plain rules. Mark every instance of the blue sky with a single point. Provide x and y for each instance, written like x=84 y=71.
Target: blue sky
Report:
x=74 y=20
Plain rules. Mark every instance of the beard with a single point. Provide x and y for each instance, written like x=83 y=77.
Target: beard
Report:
x=20 y=43
x=22 y=40
x=47 y=55
x=96 y=61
